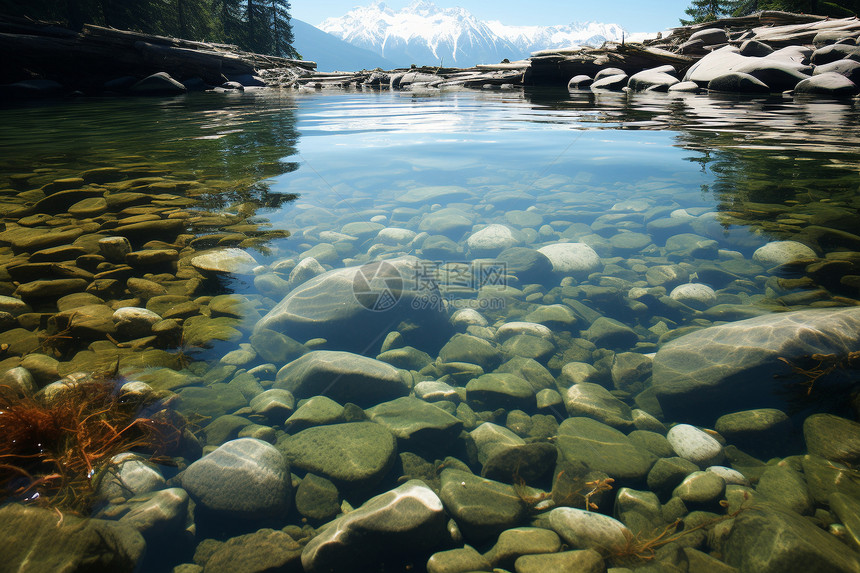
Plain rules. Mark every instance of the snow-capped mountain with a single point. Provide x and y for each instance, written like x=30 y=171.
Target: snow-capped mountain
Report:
x=425 y=34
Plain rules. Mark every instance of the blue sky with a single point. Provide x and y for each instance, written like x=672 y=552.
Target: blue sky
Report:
x=633 y=15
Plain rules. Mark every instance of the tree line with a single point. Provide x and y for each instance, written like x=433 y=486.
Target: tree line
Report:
x=261 y=26
x=707 y=10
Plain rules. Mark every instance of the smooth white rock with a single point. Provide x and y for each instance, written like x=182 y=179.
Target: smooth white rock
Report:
x=781 y=253
x=571 y=257
x=693 y=444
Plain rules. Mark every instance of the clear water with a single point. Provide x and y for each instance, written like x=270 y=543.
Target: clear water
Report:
x=591 y=167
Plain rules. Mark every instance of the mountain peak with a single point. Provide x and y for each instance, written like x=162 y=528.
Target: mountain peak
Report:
x=422 y=33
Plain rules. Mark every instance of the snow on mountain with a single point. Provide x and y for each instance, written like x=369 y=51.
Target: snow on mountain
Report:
x=425 y=34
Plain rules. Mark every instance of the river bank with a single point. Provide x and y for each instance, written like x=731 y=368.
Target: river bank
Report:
x=769 y=52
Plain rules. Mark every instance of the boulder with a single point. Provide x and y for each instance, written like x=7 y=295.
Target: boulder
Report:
x=848 y=68
x=602 y=448
x=158 y=84
x=579 y=82
x=737 y=82
x=612 y=83
x=651 y=80
x=244 y=478
x=354 y=307
x=571 y=258
x=828 y=83
x=715 y=64
x=482 y=508
x=407 y=519
x=343 y=377
x=721 y=369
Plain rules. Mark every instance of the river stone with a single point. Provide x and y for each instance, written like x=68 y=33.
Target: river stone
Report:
x=528 y=346
x=416 y=424
x=571 y=258
x=466 y=317
x=472 y=350
x=848 y=68
x=530 y=462
x=490 y=438
x=129 y=475
x=782 y=485
x=305 y=270
x=738 y=82
x=778 y=75
x=695 y=445
x=354 y=307
x=362 y=229
x=766 y=538
x=133 y=322
x=317 y=498
x=395 y=236
x=552 y=316
x=36 y=539
x=263 y=551
x=407 y=358
x=482 y=508
x=438 y=247
x=602 y=448
x=755 y=48
x=700 y=488
x=229 y=260
x=653 y=442
x=441 y=194
x=454 y=560
x=847 y=511
x=342 y=376
x=274 y=404
x=449 y=222
x=529 y=370
x=585 y=561
x=651 y=80
x=610 y=333
x=493 y=239
x=782 y=253
x=835 y=52
x=244 y=478
x=519 y=541
x=667 y=473
x=827 y=83
x=42 y=289
x=158 y=516
x=316 y=411
x=578 y=82
x=435 y=391
x=157 y=84
x=409 y=518
x=616 y=82
x=356 y=454
x=695 y=295
x=582 y=529
x=497 y=390
x=717 y=63
x=753 y=431
x=595 y=401
x=528 y=265
x=707 y=373
x=833 y=438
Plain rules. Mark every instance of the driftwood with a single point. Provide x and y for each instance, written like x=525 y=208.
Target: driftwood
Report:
x=88 y=59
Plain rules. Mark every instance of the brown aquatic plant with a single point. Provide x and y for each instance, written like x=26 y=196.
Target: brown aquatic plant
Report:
x=54 y=452
x=825 y=364
x=573 y=494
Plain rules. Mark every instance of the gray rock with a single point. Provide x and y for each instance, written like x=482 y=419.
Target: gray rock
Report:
x=409 y=518
x=702 y=375
x=350 y=307
x=653 y=442
x=778 y=75
x=129 y=475
x=579 y=82
x=571 y=258
x=586 y=561
x=701 y=488
x=610 y=333
x=493 y=239
x=651 y=80
x=158 y=84
x=602 y=448
x=835 y=52
x=768 y=539
x=259 y=552
x=782 y=253
x=528 y=265
x=715 y=64
x=244 y=478
x=416 y=424
x=848 y=68
x=847 y=511
x=583 y=529
x=595 y=401
x=761 y=431
x=519 y=541
x=354 y=455
x=833 y=438
x=275 y=404
x=640 y=511
x=456 y=560
x=613 y=83
x=229 y=261
x=667 y=473
x=449 y=222
x=695 y=445
x=317 y=498
x=36 y=539
x=738 y=82
x=784 y=486
x=316 y=411
x=710 y=36
x=482 y=508
x=471 y=349
x=827 y=83
x=694 y=295
x=407 y=358
x=159 y=515
x=508 y=391
x=755 y=48
x=342 y=376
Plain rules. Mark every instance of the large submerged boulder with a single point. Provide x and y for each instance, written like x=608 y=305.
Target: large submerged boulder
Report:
x=714 y=371
x=353 y=308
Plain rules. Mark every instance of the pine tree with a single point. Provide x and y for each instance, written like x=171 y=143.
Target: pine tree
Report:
x=745 y=7
x=281 y=29
x=707 y=10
